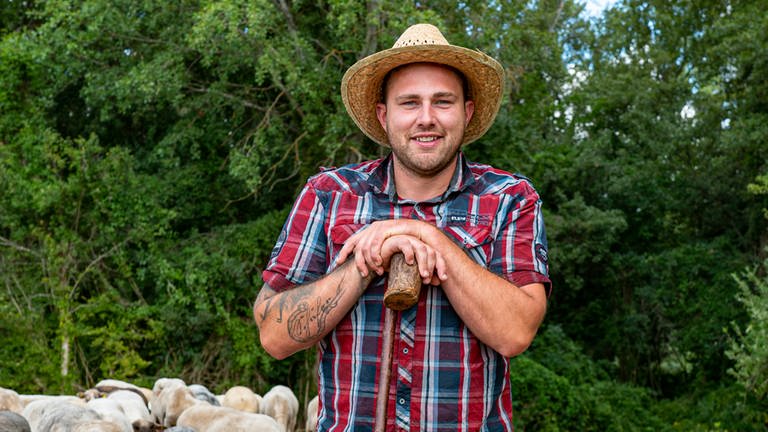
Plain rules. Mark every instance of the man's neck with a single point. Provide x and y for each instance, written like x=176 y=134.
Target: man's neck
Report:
x=415 y=187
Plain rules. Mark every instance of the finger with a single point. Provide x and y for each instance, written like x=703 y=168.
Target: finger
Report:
x=375 y=250
x=431 y=261
x=364 y=249
x=348 y=248
x=422 y=257
x=342 y=255
x=368 y=258
x=441 y=268
x=408 y=254
x=341 y=258
x=361 y=265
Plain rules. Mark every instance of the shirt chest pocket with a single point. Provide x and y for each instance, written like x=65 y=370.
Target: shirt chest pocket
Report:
x=472 y=227
x=477 y=241
x=351 y=213
x=470 y=236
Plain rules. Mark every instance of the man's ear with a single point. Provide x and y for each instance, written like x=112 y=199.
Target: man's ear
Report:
x=381 y=114
x=469 y=109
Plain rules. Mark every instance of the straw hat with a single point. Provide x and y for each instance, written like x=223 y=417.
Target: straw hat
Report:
x=361 y=85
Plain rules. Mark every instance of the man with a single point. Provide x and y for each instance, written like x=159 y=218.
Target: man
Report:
x=475 y=232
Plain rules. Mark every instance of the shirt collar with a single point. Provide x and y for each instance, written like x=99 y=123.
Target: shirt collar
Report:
x=382 y=179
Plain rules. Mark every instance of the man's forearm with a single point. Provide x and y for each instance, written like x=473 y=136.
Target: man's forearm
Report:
x=502 y=315
x=296 y=319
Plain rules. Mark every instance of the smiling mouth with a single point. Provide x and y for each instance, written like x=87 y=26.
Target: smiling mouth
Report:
x=428 y=139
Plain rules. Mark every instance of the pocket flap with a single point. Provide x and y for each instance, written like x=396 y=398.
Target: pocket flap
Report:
x=341 y=233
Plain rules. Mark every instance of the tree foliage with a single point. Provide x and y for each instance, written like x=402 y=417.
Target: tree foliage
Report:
x=149 y=152
x=749 y=349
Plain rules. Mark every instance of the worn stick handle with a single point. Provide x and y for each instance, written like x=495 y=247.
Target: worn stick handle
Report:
x=403 y=290
x=404 y=284
x=385 y=370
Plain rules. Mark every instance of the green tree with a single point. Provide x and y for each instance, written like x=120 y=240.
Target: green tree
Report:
x=654 y=146
x=749 y=349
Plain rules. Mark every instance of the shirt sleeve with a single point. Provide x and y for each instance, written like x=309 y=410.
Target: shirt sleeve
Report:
x=520 y=248
x=299 y=256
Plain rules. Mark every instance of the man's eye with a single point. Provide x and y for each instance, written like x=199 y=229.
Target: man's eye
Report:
x=443 y=102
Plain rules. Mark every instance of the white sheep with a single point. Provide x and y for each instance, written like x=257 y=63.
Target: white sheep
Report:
x=10 y=401
x=170 y=397
x=59 y=415
x=107 y=386
x=209 y=418
x=312 y=414
x=135 y=409
x=241 y=398
x=27 y=399
x=281 y=404
x=111 y=410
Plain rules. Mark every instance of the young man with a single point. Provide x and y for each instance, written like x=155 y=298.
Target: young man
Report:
x=475 y=232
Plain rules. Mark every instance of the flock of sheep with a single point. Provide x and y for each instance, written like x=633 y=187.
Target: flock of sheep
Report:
x=171 y=405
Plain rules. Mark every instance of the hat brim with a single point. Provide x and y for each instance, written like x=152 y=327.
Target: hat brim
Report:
x=361 y=85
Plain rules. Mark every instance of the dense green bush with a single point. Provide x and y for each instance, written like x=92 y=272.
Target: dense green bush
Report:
x=149 y=152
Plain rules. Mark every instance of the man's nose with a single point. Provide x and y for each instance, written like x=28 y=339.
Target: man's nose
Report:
x=426 y=115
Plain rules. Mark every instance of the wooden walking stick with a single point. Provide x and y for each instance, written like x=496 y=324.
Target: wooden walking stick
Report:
x=403 y=290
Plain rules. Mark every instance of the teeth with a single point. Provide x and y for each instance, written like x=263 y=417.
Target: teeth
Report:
x=425 y=139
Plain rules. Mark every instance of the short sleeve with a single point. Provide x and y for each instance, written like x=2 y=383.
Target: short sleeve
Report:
x=299 y=255
x=520 y=247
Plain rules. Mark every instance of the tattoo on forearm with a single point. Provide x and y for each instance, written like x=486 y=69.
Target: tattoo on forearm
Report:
x=269 y=296
x=308 y=319
x=307 y=312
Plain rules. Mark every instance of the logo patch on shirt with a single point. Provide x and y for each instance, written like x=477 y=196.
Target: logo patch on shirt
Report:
x=541 y=253
x=279 y=244
x=467 y=219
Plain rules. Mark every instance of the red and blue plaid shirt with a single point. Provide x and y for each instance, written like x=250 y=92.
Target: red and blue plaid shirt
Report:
x=444 y=378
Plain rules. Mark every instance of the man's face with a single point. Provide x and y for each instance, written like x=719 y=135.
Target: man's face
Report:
x=425 y=115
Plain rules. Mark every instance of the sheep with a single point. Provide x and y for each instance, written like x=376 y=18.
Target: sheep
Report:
x=28 y=399
x=111 y=410
x=202 y=393
x=11 y=421
x=107 y=386
x=124 y=405
x=209 y=418
x=281 y=404
x=10 y=401
x=59 y=415
x=134 y=408
x=39 y=409
x=312 y=408
x=241 y=398
x=170 y=397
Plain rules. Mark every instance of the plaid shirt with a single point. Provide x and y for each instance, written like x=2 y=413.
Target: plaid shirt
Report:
x=443 y=378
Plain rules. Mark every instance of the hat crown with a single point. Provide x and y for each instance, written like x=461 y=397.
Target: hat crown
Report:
x=421 y=34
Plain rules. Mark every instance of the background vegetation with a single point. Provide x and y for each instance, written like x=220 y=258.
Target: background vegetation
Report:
x=149 y=151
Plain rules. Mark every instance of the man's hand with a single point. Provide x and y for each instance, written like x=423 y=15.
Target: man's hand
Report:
x=374 y=246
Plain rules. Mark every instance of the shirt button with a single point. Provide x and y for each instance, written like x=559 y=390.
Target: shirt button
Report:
x=402 y=401
x=405 y=350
